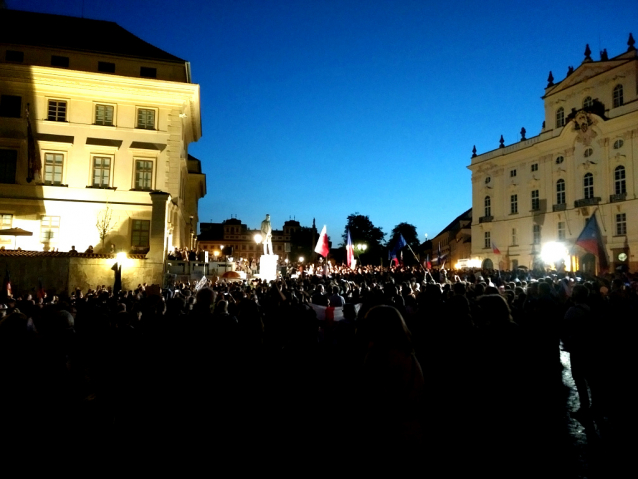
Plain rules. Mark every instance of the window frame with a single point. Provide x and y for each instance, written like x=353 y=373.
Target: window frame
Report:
x=621 y=224
x=588 y=102
x=16 y=114
x=52 y=182
x=559 y=159
x=588 y=186
x=487 y=240
x=561 y=228
x=6 y=240
x=513 y=173
x=135 y=173
x=487 y=205
x=560 y=192
x=111 y=159
x=534 y=167
x=536 y=234
x=15 y=159
x=560 y=117
x=617 y=96
x=618 y=144
x=620 y=180
x=141 y=231
x=155 y=118
x=588 y=152
x=50 y=227
x=536 y=200
x=514 y=237
x=106 y=105
x=514 y=204
x=56 y=116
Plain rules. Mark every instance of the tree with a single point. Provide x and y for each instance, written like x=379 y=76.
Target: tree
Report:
x=409 y=235
x=105 y=223
x=363 y=231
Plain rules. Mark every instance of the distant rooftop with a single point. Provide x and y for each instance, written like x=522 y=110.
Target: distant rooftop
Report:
x=79 y=34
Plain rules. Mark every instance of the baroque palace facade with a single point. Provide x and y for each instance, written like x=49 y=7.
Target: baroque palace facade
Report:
x=95 y=125
x=536 y=195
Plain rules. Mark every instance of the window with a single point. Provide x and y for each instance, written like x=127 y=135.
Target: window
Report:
x=588 y=152
x=101 y=171
x=140 y=233
x=6 y=222
x=559 y=160
x=512 y=173
x=561 y=231
x=488 y=206
x=14 y=56
x=487 y=180
x=560 y=192
x=514 y=237
x=57 y=110
x=560 y=117
x=617 y=96
x=536 y=202
x=143 y=174
x=106 y=67
x=588 y=102
x=618 y=144
x=620 y=186
x=514 y=204
x=621 y=223
x=104 y=115
x=10 y=106
x=588 y=186
x=8 y=162
x=58 y=61
x=534 y=167
x=53 y=163
x=487 y=240
x=146 y=118
x=49 y=229
x=148 y=72
x=537 y=234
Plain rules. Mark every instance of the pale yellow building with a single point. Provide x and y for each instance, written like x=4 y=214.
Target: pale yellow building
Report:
x=111 y=118
x=543 y=189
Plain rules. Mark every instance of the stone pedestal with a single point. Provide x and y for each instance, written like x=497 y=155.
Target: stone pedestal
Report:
x=268 y=267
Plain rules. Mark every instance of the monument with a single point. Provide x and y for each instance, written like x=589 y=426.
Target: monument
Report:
x=268 y=261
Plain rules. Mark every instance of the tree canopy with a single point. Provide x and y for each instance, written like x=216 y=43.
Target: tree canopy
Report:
x=409 y=235
x=363 y=231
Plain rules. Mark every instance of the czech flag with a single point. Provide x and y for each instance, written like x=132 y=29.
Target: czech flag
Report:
x=322 y=244
x=495 y=250
x=350 y=252
x=590 y=240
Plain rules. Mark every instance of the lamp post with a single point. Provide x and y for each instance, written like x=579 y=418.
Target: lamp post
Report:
x=360 y=248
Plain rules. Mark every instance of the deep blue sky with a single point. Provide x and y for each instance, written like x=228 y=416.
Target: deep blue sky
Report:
x=321 y=109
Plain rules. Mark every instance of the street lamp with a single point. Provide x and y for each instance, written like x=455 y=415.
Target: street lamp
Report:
x=360 y=248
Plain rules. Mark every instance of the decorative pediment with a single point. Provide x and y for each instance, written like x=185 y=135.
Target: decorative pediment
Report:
x=582 y=73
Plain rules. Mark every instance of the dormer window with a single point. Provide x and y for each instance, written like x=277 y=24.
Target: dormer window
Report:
x=588 y=102
x=618 y=97
x=560 y=117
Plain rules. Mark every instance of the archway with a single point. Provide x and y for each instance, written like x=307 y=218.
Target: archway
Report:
x=488 y=264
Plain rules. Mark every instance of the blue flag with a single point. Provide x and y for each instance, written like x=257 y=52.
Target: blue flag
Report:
x=397 y=247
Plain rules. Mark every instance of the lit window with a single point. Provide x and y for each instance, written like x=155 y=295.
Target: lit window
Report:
x=618 y=97
x=49 y=229
x=104 y=115
x=534 y=167
x=514 y=236
x=618 y=144
x=560 y=117
x=6 y=222
x=588 y=186
x=560 y=192
x=536 y=202
x=620 y=185
x=588 y=152
x=512 y=173
x=146 y=118
x=561 y=231
x=101 y=171
x=487 y=241
x=621 y=223
x=140 y=233
x=53 y=163
x=143 y=174
x=56 y=110
x=488 y=206
x=559 y=160
x=588 y=102
x=537 y=234
x=513 y=204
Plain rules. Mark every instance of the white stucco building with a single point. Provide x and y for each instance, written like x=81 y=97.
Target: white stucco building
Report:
x=111 y=118
x=584 y=161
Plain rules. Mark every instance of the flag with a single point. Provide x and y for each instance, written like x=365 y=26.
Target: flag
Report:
x=428 y=265
x=591 y=241
x=495 y=250
x=397 y=247
x=322 y=243
x=439 y=259
x=350 y=252
x=6 y=285
x=40 y=293
x=33 y=159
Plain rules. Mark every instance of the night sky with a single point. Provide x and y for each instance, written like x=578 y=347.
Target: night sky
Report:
x=322 y=109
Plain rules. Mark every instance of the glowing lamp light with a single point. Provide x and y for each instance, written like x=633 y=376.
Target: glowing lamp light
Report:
x=257 y=238
x=121 y=257
x=553 y=252
x=301 y=259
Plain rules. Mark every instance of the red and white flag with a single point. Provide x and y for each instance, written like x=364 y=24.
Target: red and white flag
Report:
x=350 y=253
x=322 y=244
x=495 y=250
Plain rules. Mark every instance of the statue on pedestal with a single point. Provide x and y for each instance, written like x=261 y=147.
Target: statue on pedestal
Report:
x=266 y=233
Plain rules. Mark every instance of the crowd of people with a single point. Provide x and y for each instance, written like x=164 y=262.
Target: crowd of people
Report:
x=423 y=362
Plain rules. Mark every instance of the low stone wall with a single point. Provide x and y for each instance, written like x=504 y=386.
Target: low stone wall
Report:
x=66 y=273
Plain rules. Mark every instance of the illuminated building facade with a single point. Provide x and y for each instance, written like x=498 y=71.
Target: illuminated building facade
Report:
x=95 y=125
x=584 y=161
x=455 y=241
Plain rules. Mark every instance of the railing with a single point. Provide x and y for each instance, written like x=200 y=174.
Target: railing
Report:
x=559 y=207
x=587 y=202
x=617 y=198
x=197 y=269
x=485 y=219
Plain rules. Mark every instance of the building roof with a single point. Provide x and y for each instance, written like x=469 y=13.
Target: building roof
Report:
x=73 y=33
x=454 y=225
x=11 y=253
